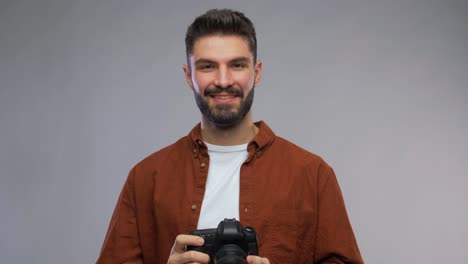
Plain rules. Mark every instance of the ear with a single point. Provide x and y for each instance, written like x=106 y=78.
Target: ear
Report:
x=188 y=76
x=258 y=72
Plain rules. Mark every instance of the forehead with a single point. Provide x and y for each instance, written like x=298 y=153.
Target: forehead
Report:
x=221 y=48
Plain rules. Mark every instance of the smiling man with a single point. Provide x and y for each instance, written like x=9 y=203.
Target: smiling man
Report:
x=222 y=73
x=229 y=167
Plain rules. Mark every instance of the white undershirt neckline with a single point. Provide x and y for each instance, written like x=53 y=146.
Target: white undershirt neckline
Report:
x=221 y=199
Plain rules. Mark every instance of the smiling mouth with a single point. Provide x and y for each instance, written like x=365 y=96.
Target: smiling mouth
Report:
x=222 y=96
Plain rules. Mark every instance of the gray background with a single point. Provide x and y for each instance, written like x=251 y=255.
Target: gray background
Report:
x=379 y=89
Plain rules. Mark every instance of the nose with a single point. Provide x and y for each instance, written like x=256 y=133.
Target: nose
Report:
x=223 y=77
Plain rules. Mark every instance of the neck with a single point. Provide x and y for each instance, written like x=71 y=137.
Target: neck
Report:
x=238 y=134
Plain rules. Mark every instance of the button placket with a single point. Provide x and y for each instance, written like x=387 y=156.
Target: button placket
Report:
x=201 y=160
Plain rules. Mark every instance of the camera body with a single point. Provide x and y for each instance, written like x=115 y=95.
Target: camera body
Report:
x=229 y=243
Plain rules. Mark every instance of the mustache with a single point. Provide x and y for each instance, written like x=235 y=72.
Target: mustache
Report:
x=228 y=90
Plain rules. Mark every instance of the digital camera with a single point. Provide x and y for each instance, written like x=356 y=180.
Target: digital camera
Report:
x=230 y=243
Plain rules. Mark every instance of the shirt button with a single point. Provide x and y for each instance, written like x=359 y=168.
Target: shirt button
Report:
x=202 y=165
x=195 y=150
x=194 y=207
x=245 y=210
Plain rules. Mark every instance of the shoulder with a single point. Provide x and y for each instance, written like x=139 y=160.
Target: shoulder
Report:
x=297 y=153
x=298 y=156
x=165 y=156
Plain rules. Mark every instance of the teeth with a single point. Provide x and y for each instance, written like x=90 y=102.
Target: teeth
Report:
x=224 y=96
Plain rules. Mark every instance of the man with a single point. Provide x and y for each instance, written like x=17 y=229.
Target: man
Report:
x=229 y=167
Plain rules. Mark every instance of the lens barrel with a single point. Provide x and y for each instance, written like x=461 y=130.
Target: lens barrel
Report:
x=230 y=254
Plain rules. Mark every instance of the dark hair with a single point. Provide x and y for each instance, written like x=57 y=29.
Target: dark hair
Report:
x=224 y=22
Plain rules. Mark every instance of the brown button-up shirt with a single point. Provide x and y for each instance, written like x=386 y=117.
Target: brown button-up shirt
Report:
x=289 y=195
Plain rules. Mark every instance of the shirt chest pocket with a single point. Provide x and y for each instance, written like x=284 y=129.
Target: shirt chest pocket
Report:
x=287 y=236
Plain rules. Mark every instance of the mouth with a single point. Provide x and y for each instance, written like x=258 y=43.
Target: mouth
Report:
x=223 y=98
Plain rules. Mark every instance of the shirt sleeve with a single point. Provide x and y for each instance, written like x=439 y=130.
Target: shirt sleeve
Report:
x=122 y=242
x=335 y=240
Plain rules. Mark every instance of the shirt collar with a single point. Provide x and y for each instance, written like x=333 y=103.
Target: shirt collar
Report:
x=261 y=141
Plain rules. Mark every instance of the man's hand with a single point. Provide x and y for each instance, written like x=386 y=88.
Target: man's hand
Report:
x=180 y=255
x=257 y=260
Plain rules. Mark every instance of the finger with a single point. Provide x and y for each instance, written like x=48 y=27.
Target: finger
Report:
x=257 y=260
x=192 y=257
x=183 y=240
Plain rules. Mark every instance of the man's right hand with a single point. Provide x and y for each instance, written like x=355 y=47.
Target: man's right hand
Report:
x=180 y=255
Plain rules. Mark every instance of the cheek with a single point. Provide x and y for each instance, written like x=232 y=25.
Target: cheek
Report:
x=200 y=82
x=246 y=81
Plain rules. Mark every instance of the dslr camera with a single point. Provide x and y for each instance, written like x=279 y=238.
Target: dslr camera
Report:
x=230 y=243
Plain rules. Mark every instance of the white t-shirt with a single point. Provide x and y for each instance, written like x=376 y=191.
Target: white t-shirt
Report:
x=221 y=199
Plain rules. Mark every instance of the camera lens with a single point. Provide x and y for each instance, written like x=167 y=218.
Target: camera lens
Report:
x=230 y=254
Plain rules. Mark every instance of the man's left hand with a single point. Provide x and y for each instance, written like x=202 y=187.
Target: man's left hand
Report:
x=257 y=260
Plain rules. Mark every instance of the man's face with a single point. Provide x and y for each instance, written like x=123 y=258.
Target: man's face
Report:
x=223 y=76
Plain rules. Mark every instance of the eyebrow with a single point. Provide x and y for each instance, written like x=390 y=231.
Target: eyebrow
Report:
x=235 y=60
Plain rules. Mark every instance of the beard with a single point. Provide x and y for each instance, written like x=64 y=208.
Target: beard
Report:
x=224 y=115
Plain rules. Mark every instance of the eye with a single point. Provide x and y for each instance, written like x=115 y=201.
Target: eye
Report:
x=239 y=65
x=206 y=67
